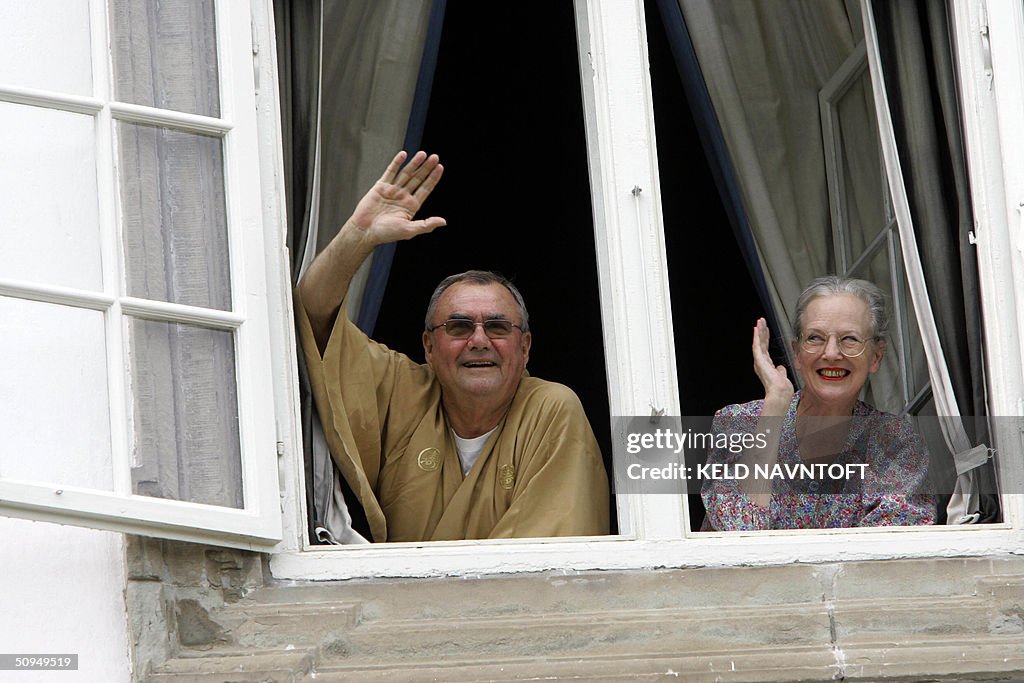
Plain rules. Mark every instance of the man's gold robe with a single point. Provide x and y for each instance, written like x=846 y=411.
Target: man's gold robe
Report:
x=539 y=474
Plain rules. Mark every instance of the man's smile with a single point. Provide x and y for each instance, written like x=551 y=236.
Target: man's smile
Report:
x=479 y=364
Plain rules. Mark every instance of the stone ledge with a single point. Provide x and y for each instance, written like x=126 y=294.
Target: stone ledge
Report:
x=654 y=632
x=800 y=664
x=944 y=619
x=238 y=666
x=899 y=619
x=965 y=660
x=951 y=660
x=960 y=660
x=272 y=625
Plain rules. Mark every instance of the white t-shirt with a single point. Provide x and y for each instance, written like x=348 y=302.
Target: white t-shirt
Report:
x=469 y=449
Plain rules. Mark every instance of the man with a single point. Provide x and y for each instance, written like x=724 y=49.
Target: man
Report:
x=467 y=445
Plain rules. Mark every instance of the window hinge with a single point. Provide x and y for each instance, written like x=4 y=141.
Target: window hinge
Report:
x=280 y=449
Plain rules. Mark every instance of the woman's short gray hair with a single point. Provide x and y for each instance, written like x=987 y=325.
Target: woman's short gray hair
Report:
x=478 y=277
x=866 y=291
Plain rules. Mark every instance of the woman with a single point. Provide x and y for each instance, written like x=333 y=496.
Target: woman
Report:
x=841 y=325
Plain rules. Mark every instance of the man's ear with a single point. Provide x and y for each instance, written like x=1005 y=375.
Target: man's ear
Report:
x=428 y=345
x=527 y=342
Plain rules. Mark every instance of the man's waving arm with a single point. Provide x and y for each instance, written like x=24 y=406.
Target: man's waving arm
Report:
x=384 y=214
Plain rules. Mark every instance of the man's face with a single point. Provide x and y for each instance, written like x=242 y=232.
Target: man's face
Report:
x=477 y=367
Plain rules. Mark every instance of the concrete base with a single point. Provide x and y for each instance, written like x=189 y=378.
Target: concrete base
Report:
x=953 y=619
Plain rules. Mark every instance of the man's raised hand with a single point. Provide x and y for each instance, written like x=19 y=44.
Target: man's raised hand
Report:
x=386 y=213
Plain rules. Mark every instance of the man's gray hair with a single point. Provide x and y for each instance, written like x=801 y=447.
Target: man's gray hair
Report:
x=866 y=291
x=478 y=277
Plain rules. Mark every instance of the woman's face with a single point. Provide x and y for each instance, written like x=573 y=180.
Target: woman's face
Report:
x=832 y=381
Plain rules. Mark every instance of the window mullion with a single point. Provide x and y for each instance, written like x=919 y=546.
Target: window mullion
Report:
x=106 y=198
x=236 y=54
x=152 y=309
x=900 y=307
x=865 y=256
x=167 y=118
x=51 y=100
x=55 y=294
x=842 y=80
x=252 y=447
x=632 y=265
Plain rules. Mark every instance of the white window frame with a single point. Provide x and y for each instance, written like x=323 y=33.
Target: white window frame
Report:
x=257 y=525
x=638 y=338
x=887 y=238
x=988 y=40
x=640 y=356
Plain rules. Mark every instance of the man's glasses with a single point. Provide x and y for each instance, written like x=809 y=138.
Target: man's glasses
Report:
x=849 y=345
x=460 y=328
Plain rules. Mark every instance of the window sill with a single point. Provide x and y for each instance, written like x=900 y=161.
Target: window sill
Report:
x=469 y=558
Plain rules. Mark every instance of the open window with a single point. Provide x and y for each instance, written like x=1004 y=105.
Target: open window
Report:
x=81 y=315
x=509 y=129
x=132 y=280
x=641 y=349
x=789 y=122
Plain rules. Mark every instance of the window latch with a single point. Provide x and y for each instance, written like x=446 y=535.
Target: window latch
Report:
x=986 y=46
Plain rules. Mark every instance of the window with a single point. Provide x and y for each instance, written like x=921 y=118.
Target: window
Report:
x=865 y=239
x=641 y=361
x=132 y=279
x=85 y=316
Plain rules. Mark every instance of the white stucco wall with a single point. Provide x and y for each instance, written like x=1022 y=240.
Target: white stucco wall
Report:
x=63 y=593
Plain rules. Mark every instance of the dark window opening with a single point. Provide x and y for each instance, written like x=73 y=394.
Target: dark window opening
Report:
x=714 y=301
x=506 y=118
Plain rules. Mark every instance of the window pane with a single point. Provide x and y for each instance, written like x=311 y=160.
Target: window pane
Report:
x=33 y=33
x=172 y=210
x=910 y=333
x=165 y=54
x=860 y=158
x=49 y=224
x=55 y=414
x=885 y=388
x=185 y=413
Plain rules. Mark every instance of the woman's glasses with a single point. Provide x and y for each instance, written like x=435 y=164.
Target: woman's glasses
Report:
x=849 y=345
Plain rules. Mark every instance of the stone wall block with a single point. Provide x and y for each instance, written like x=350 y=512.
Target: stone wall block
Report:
x=509 y=595
x=900 y=620
x=944 y=618
x=237 y=667
x=883 y=579
x=288 y=625
x=144 y=558
x=149 y=624
x=195 y=628
x=1004 y=596
x=586 y=635
x=233 y=572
